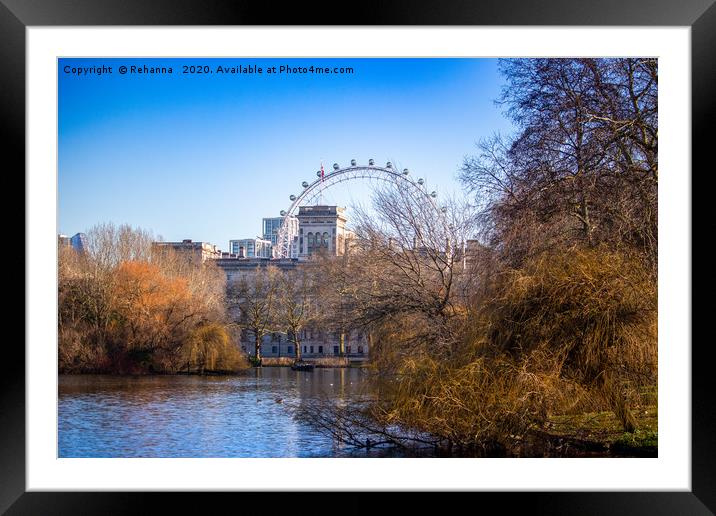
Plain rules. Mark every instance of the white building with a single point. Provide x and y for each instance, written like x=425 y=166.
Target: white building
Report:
x=250 y=248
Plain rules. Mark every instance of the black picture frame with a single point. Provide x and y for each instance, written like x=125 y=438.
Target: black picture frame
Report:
x=700 y=15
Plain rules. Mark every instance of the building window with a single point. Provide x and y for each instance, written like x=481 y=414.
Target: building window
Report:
x=348 y=349
x=335 y=350
x=320 y=349
x=304 y=349
x=311 y=349
x=290 y=349
x=360 y=349
x=274 y=349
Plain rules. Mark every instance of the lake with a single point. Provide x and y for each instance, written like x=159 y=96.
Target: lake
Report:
x=201 y=416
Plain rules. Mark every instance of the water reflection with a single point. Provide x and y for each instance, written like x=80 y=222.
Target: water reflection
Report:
x=191 y=416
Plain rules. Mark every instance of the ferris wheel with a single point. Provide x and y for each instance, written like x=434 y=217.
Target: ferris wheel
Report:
x=326 y=179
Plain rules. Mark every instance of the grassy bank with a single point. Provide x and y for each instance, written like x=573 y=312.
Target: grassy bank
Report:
x=592 y=434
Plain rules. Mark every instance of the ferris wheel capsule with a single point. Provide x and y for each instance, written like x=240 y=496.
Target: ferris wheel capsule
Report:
x=304 y=184
x=371 y=162
x=353 y=163
x=292 y=197
x=318 y=174
x=336 y=166
x=420 y=181
x=406 y=172
x=389 y=165
x=443 y=209
x=433 y=194
x=283 y=213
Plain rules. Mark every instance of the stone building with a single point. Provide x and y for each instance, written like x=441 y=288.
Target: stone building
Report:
x=315 y=341
x=321 y=229
x=198 y=252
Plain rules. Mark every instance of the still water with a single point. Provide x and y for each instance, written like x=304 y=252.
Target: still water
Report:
x=193 y=416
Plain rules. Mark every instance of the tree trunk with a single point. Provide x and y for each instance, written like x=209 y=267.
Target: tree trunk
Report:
x=257 y=347
x=297 y=343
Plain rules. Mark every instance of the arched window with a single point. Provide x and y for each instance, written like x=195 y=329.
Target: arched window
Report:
x=310 y=241
x=325 y=239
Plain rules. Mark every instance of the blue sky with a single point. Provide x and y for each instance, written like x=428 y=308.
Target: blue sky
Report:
x=207 y=156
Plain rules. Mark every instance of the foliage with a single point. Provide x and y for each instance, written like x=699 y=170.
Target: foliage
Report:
x=208 y=348
x=125 y=309
x=552 y=308
x=637 y=439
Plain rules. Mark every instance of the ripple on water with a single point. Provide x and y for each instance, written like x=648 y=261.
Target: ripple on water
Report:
x=191 y=416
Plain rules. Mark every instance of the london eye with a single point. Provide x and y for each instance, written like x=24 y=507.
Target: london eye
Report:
x=326 y=179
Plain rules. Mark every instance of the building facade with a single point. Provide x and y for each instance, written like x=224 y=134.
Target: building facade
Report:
x=237 y=268
x=198 y=252
x=250 y=248
x=272 y=225
x=321 y=229
x=314 y=344
x=315 y=341
x=79 y=242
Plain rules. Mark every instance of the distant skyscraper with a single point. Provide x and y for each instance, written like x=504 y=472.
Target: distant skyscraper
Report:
x=79 y=242
x=271 y=226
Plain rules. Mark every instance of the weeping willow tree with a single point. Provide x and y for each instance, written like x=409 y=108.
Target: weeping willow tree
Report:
x=208 y=348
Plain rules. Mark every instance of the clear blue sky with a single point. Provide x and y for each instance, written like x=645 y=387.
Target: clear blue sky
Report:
x=207 y=156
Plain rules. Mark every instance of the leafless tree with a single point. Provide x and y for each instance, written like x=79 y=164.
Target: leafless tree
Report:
x=297 y=305
x=255 y=300
x=583 y=165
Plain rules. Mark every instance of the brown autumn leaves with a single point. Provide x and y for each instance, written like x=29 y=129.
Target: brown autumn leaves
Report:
x=124 y=308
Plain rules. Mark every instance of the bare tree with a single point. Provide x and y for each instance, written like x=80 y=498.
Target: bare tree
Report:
x=125 y=308
x=408 y=261
x=255 y=298
x=583 y=165
x=297 y=304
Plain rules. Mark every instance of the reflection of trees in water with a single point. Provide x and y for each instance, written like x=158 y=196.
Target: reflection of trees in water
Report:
x=263 y=393
x=337 y=403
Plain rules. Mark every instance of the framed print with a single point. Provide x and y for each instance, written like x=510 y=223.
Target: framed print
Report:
x=427 y=251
